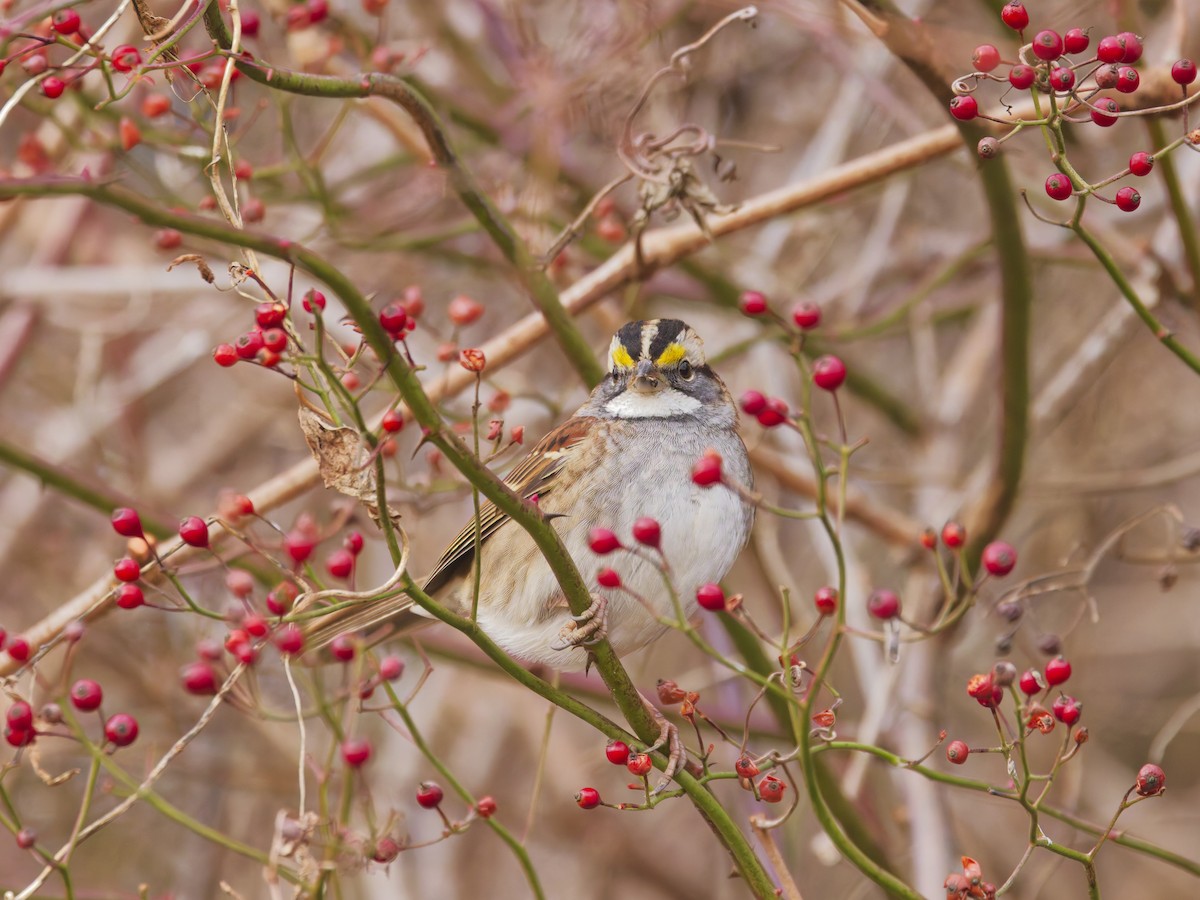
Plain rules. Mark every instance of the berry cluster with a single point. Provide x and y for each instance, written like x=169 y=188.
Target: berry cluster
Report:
x=1067 y=81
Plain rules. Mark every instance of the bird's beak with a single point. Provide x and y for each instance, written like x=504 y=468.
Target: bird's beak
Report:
x=646 y=378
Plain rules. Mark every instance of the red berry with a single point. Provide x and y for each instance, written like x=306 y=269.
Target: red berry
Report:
x=86 y=695
x=299 y=545
x=121 y=729
x=130 y=596
x=1021 y=76
x=26 y=838
x=826 y=600
x=464 y=310
x=752 y=303
x=1058 y=670
x=19 y=737
x=710 y=597
x=1141 y=163
x=953 y=535
x=19 y=716
x=343 y=648
x=999 y=558
x=771 y=789
x=1067 y=709
x=255 y=626
x=313 y=302
x=194 y=531
x=602 y=541
x=125 y=58
x=588 y=798
x=270 y=315
x=1132 y=45
x=393 y=318
x=353 y=542
x=225 y=355
x=19 y=648
x=275 y=339
x=248 y=344
x=392 y=421
x=608 y=578
x=127 y=523
x=1062 y=79
x=957 y=752
x=391 y=668
x=429 y=794
x=753 y=403
x=356 y=751
x=707 y=470
x=1014 y=15
x=127 y=569
x=639 y=764
x=986 y=57
x=1127 y=79
x=1031 y=682
x=53 y=87
x=1183 y=72
x=199 y=678
x=964 y=108
x=289 y=639
x=340 y=563
x=1058 y=186
x=829 y=373
x=1047 y=45
x=807 y=316
x=928 y=538
x=1076 y=40
x=250 y=23
x=1128 y=199
x=883 y=604
x=1110 y=49
x=66 y=21
x=280 y=600
x=1105 y=112
x=617 y=752
x=1151 y=780
x=745 y=767
x=647 y=531
x=486 y=807
x=775 y=413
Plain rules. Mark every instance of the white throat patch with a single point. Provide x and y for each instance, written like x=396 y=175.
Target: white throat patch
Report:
x=629 y=404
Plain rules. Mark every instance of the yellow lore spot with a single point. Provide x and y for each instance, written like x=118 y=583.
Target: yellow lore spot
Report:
x=621 y=357
x=673 y=354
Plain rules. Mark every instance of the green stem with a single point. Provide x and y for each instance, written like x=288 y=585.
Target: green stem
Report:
x=1165 y=162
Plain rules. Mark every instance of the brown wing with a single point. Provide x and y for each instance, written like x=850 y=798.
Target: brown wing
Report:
x=534 y=474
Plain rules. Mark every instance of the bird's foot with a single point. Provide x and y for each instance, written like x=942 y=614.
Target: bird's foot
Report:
x=669 y=738
x=587 y=629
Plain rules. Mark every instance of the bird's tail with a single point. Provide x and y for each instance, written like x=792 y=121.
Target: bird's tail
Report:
x=378 y=620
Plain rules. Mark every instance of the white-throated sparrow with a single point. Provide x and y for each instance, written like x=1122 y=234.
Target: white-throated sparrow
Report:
x=627 y=452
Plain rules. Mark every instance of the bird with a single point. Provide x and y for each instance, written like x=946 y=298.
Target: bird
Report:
x=627 y=453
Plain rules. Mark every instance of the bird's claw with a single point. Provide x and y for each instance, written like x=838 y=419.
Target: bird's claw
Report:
x=585 y=630
x=668 y=737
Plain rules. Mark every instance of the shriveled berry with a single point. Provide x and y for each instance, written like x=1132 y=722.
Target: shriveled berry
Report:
x=127 y=523
x=1105 y=113
x=617 y=752
x=957 y=752
x=464 y=310
x=988 y=147
x=1058 y=670
x=608 y=578
x=1128 y=199
x=639 y=764
x=964 y=108
x=829 y=373
x=1047 y=45
x=752 y=303
x=1015 y=15
x=356 y=751
x=999 y=558
x=883 y=604
x=710 y=597
x=1151 y=780
x=602 y=541
x=199 y=678
x=986 y=57
x=1107 y=76
x=1021 y=76
x=826 y=600
x=1004 y=673
x=1076 y=41
x=588 y=798
x=472 y=359
x=1141 y=163
x=121 y=729
x=194 y=531
x=429 y=794
x=130 y=596
x=1183 y=71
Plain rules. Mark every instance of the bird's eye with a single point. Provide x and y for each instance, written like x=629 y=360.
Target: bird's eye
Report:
x=685 y=371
